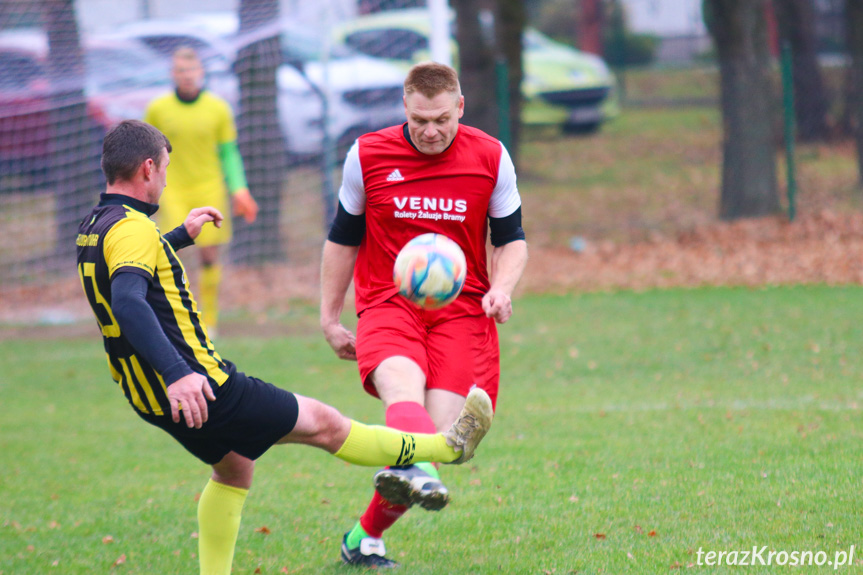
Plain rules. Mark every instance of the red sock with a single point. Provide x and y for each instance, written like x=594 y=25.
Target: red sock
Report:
x=381 y=514
x=411 y=417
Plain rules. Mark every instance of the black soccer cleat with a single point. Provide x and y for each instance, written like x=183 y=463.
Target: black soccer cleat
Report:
x=369 y=554
x=411 y=485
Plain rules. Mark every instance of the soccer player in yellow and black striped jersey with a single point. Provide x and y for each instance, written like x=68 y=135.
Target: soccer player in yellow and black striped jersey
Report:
x=161 y=357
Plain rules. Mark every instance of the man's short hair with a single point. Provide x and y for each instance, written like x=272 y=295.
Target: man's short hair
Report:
x=186 y=53
x=431 y=79
x=128 y=145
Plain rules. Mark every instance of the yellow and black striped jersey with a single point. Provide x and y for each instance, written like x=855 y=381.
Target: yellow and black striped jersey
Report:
x=118 y=235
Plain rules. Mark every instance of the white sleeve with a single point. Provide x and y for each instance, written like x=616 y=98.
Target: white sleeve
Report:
x=352 y=194
x=504 y=199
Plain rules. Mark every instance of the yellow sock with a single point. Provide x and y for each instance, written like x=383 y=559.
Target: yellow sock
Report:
x=374 y=445
x=211 y=277
x=219 y=512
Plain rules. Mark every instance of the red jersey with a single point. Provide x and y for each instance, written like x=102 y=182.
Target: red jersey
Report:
x=405 y=193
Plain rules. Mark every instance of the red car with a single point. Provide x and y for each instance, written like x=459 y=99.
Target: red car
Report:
x=120 y=79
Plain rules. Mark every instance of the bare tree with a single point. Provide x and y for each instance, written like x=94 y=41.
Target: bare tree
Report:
x=749 y=186
x=259 y=133
x=475 y=35
x=797 y=27
x=854 y=36
x=76 y=139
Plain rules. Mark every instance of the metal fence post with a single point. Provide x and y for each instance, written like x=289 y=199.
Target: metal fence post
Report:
x=788 y=109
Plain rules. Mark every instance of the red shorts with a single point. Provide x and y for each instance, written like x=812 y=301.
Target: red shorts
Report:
x=456 y=347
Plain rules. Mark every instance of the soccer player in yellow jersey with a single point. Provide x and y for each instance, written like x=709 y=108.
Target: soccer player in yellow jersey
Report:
x=161 y=357
x=206 y=159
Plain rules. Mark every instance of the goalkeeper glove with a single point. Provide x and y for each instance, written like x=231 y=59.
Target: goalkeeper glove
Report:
x=245 y=205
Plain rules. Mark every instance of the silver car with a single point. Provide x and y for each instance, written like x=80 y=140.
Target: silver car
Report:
x=361 y=93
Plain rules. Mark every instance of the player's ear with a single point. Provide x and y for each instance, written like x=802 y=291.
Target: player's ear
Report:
x=147 y=168
x=460 y=106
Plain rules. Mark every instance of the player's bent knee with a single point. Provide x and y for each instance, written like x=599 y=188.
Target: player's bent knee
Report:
x=234 y=470
x=318 y=424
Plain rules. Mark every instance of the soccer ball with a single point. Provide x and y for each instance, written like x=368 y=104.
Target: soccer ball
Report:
x=430 y=271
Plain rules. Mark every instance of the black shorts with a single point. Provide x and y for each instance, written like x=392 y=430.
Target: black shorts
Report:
x=248 y=417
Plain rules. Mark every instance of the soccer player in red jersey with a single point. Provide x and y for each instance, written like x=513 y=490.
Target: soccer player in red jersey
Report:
x=427 y=175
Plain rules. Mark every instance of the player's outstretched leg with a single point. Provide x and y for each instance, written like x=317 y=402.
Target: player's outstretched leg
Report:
x=374 y=445
x=321 y=425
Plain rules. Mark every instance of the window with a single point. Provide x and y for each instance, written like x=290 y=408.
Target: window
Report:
x=18 y=71
x=394 y=43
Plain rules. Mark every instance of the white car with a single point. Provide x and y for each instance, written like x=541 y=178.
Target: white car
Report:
x=362 y=93
x=300 y=108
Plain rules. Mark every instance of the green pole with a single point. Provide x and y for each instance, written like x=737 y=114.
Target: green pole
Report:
x=502 y=88
x=788 y=105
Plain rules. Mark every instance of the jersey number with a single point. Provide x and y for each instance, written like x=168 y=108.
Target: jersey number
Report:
x=87 y=273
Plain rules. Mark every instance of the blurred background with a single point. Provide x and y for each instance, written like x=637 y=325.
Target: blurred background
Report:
x=731 y=88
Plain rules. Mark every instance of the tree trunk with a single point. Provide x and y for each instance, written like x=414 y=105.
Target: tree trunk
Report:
x=259 y=133
x=488 y=31
x=749 y=187
x=590 y=27
x=797 y=27
x=476 y=39
x=510 y=29
x=74 y=171
x=854 y=35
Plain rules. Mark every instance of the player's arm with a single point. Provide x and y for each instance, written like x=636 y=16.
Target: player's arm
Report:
x=507 y=265
x=179 y=238
x=509 y=257
x=340 y=256
x=235 y=176
x=337 y=266
x=184 y=235
x=139 y=325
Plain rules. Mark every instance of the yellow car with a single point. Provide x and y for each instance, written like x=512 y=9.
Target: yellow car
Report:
x=561 y=85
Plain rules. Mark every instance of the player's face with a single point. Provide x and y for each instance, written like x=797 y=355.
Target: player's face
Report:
x=160 y=177
x=433 y=122
x=188 y=75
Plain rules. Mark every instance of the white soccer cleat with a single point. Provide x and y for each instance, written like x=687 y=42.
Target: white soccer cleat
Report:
x=472 y=424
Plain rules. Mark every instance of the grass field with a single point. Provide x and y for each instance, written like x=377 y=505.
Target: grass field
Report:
x=633 y=429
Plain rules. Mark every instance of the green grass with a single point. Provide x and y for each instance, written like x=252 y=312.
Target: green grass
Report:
x=713 y=418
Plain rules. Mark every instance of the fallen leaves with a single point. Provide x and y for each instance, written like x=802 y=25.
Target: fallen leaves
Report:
x=263 y=530
x=750 y=252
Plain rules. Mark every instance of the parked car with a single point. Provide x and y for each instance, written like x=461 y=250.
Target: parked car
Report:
x=362 y=93
x=299 y=106
x=115 y=74
x=561 y=85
